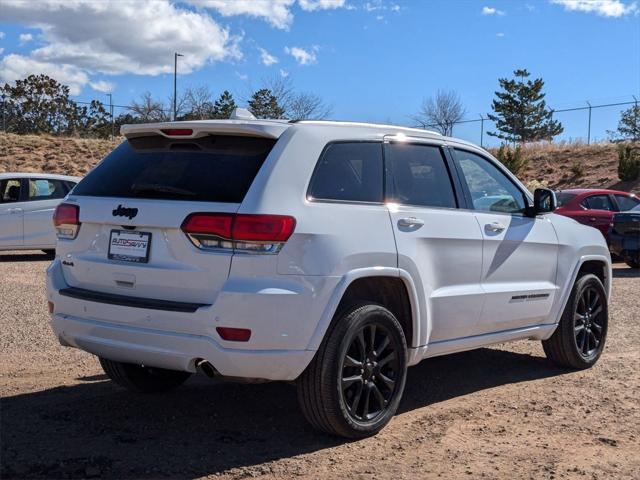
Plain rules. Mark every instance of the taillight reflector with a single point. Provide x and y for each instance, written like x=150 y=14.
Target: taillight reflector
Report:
x=178 y=132
x=234 y=334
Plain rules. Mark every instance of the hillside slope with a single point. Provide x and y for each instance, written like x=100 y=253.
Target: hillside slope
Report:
x=549 y=164
x=63 y=155
x=552 y=164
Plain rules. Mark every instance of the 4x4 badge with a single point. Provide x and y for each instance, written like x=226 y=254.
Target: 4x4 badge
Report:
x=125 y=212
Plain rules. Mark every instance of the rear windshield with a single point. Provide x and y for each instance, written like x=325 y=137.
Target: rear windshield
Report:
x=215 y=168
x=563 y=198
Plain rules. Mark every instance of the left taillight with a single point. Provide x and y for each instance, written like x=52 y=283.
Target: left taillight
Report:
x=66 y=220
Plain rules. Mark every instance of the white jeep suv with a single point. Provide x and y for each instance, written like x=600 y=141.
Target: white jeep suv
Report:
x=333 y=254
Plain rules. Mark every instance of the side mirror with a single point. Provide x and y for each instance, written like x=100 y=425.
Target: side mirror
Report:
x=544 y=201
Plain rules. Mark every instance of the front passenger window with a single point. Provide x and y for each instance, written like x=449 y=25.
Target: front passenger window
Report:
x=9 y=191
x=491 y=190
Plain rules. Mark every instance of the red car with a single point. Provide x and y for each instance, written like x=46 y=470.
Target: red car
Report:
x=594 y=207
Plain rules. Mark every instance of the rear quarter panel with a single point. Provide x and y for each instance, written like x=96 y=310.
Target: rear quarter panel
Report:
x=330 y=239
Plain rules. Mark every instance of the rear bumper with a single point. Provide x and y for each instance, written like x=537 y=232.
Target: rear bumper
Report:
x=282 y=315
x=176 y=351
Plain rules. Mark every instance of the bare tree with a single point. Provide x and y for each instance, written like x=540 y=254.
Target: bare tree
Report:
x=282 y=89
x=181 y=107
x=441 y=112
x=296 y=105
x=198 y=103
x=307 y=106
x=149 y=109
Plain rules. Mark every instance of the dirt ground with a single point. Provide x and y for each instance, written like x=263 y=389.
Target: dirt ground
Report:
x=500 y=412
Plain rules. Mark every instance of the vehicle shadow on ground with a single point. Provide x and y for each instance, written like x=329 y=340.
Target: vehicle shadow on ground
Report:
x=26 y=257
x=96 y=429
x=625 y=272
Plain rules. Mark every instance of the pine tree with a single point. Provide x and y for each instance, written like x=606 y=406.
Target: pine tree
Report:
x=263 y=104
x=629 y=125
x=38 y=104
x=521 y=113
x=224 y=106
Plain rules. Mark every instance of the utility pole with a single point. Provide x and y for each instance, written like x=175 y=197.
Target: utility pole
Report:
x=111 y=112
x=4 y=121
x=175 y=83
x=589 y=129
x=635 y=114
x=481 y=129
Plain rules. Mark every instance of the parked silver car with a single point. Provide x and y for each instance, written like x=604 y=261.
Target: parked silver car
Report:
x=27 y=202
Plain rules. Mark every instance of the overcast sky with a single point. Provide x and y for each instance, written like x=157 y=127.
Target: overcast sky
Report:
x=372 y=60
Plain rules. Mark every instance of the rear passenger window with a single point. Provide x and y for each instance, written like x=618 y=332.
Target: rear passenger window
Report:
x=418 y=175
x=43 y=189
x=598 y=202
x=626 y=203
x=349 y=171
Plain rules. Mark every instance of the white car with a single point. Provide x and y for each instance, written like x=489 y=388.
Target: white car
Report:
x=27 y=203
x=333 y=254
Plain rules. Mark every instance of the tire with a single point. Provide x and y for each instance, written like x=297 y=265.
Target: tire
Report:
x=141 y=379
x=373 y=378
x=633 y=264
x=570 y=345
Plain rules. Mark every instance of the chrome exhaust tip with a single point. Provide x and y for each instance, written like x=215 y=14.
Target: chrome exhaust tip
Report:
x=205 y=367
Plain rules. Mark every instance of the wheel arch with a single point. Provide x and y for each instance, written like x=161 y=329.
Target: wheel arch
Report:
x=381 y=285
x=599 y=265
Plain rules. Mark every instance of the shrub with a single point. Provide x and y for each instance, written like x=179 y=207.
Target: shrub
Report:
x=512 y=158
x=533 y=184
x=577 y=168
x=628 y=162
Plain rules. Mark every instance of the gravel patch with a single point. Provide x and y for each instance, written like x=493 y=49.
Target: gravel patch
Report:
x=501 y=412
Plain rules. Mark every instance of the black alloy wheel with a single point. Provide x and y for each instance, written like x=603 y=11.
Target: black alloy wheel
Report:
x=369 y=373
x=588 y=322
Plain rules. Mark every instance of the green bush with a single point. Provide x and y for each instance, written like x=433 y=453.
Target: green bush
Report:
x=512 y=158
x=628 y=162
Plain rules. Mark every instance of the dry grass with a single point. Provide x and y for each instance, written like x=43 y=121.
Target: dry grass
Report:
x=553 y=165
x=40 y=153
x=556 y=165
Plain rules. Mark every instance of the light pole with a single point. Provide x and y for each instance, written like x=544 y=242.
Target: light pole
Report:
x=111 y=112
x=175 y=82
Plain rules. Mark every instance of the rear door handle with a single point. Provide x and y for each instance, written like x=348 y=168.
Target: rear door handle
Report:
x=495 y=227
x=15 y=210
x=410 y=222
x=592 y=219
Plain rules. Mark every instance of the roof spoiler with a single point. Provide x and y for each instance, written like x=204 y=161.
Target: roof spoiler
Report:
x=202 y=128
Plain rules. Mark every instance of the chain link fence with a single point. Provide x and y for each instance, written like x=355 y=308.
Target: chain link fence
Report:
x=582 y=123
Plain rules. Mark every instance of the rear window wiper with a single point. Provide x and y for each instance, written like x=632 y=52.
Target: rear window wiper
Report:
x=158 y=188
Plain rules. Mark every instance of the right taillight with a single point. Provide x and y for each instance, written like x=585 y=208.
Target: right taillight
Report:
x=66 y=220
x=239 y=232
